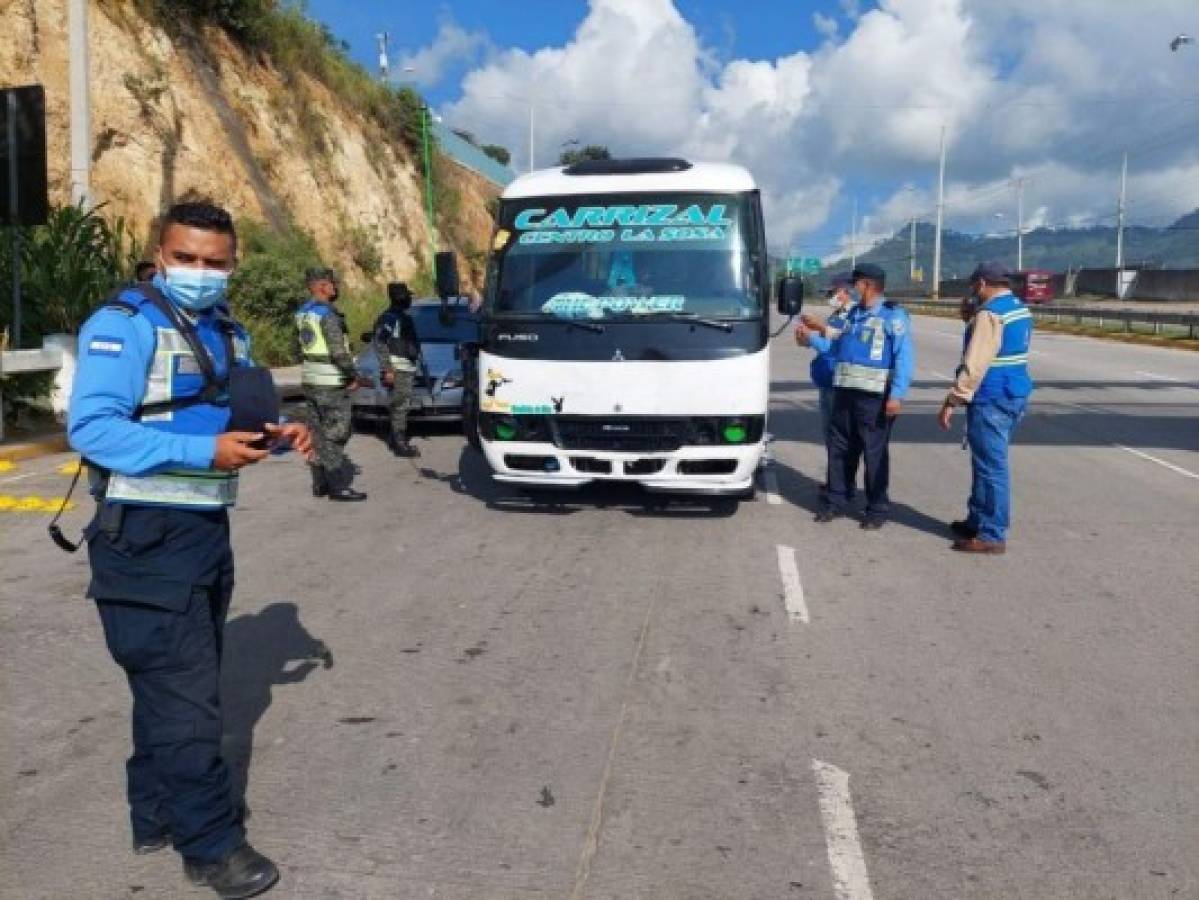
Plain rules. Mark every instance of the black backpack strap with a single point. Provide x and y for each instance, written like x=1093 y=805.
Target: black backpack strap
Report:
x=215 y=387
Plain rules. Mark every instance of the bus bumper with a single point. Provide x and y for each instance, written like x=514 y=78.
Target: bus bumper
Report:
x=714 y=470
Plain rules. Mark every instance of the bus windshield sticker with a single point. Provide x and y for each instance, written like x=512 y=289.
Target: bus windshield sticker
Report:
x=574 y=304
x=648 y=223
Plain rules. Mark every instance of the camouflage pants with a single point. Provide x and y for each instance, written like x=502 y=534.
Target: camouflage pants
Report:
x=330 y=421
x=401 y=396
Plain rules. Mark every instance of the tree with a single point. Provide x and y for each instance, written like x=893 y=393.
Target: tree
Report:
x=591 y=151
x=498 y=153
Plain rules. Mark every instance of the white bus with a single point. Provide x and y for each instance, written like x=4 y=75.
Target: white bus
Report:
x=625 y=329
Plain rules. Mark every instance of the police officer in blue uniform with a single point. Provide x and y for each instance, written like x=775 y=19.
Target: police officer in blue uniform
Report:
x=872 y=373
x=994 y=385
x=149 y=413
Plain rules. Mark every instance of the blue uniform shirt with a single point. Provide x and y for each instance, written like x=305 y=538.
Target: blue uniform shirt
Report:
x=825 y=361
x=116 y=349
x=897 y=325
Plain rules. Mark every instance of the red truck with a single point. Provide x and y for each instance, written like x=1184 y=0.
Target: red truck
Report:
x=1034 y=286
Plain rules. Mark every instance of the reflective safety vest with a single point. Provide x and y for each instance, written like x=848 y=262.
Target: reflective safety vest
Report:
x=865 y=351
x=1008 y=375
x=391 y=326
x=317 y=369
x=179 y=399
x=824 y=364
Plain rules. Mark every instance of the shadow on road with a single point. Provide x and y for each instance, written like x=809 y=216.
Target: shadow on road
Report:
x=473 y=479
x=261 y=651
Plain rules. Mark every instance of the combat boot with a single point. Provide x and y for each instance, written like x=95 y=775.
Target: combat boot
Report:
x=243 y=872
x=320 y=483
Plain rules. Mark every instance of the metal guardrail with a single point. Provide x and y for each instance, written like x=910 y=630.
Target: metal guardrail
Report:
x=467 y=154
x=1126 y=320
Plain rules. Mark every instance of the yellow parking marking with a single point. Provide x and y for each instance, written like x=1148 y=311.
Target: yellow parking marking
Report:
x=71 y=468
x=7 y=465
x=11 y=504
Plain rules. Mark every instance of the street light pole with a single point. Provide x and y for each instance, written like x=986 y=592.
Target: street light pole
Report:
x=936 y=293
x=1120 y=220
x=853 y=237
x=81 y=124
x=1019 y=224
x=428 y=153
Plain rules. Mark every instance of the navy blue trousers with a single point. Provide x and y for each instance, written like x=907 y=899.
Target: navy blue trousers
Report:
x=162 y=585
x=859 y=430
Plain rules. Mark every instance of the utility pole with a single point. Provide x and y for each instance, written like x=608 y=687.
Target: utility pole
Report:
x=1120 y=221
x=936 y=293
x=853 y=237
x=912 y=255
x=532 y=133
x=1020 y=224
x=81 y=119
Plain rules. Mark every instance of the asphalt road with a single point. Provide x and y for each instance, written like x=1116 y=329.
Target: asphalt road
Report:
x=596 y=697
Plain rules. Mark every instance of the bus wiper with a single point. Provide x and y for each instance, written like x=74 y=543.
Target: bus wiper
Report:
x=577 y=323
x=690 y=318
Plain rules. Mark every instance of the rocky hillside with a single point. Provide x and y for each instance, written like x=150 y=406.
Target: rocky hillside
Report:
x=183 y=110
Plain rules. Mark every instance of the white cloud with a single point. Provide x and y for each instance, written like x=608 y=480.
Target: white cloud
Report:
x=452 y=47
x=863 y=111
x=825 y=25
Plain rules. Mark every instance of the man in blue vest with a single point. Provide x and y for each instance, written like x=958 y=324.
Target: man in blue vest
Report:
x=874 y=364
x=993 y=384
x=149 y=412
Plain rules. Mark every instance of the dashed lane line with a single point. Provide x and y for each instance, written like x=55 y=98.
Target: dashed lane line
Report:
x=1153 y=459
x=1154 y=376
x=851 y=881
x=772 y=487
x=793 y=598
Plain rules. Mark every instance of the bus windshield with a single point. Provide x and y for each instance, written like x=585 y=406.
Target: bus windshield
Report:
x=627 y=257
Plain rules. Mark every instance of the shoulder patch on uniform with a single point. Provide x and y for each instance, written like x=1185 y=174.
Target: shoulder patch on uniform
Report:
x=103 y=345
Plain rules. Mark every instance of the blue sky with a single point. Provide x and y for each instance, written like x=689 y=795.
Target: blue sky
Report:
x=829 y=101
x=775 y=28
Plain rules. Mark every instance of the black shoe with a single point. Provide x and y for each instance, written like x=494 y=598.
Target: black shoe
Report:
x=404 y=450
x=827 y=515
x=873 y=523
x=963 y=529
x=244 y=872
x=346 y=495
x=143 y=846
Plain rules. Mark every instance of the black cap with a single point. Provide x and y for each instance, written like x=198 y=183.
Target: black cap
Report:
x=840 y=280
x=320 y=273
x=871 y=271
x=398 y=290
x=993 y=272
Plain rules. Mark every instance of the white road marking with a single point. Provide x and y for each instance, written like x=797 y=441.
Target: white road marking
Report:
x=13 y=478
x=851 y=881
x=1155 y=377
x=1161 y=462
x=793 y=599
x=941 y=376
x=772 y=487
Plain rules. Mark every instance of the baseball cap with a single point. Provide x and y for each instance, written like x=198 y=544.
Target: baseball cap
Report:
x=320 y=273
x=871 y=271
x=994 y=272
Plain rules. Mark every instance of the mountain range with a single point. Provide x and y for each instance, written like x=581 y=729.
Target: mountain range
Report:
x=1173 y=247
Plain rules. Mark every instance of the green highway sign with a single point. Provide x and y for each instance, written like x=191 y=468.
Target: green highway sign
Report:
x=804 y=265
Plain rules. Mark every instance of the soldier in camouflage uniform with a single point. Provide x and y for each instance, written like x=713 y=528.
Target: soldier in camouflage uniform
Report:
x=328 y=377
x=398 y=349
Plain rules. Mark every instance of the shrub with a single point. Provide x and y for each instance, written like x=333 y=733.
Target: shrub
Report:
x=68 y=266
x=500 y=154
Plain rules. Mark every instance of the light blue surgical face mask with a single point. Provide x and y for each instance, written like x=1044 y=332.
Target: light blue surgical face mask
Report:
x=196 y=290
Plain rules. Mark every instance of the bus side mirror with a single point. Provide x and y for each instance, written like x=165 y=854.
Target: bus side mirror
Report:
x=789 y=293
x=445 y=267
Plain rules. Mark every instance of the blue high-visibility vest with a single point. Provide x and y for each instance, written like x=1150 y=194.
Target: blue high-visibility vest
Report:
x=1008 y=374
